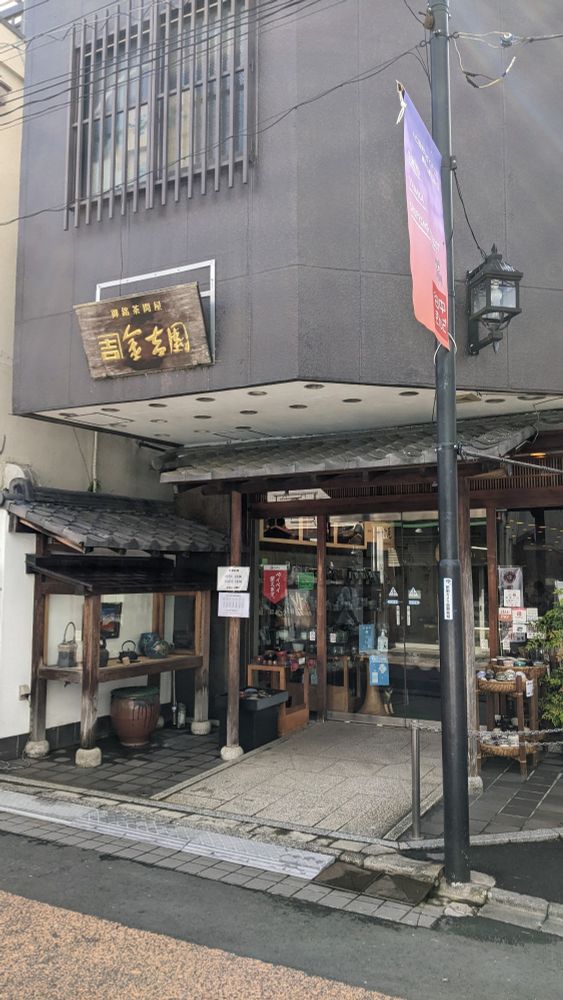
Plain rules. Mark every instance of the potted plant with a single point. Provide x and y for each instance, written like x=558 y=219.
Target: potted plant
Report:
x=548 y=637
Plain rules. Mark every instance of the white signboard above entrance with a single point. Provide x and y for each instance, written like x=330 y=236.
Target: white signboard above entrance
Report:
x=283 y=496
x=233 y=578
x=234 y=606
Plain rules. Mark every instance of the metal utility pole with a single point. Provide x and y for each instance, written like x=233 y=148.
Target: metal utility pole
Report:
x=452 y=674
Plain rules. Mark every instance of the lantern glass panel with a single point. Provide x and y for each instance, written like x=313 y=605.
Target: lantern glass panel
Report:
x=478 y=297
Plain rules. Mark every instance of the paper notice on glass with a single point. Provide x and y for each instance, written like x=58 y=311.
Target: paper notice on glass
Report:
x=531 y=614
x=519 y=616
x=505 y=615
x=529 y=689
x=512 y=598
x=234 y=605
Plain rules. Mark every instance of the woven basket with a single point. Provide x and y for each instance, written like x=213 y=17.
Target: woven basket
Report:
x=494 y=750
x=497 y=687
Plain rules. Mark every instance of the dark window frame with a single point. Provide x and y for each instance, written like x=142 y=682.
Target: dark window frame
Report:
x=177 y=107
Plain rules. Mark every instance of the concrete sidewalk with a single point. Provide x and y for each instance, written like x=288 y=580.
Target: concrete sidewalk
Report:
x=347 y=778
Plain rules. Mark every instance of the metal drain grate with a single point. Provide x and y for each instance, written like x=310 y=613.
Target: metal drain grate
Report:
x=177 y=837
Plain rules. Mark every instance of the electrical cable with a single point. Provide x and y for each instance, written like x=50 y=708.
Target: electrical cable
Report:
x=414 y=14
x=268 y=9
x=156 y=48
x=279 y=117
x=471 y=230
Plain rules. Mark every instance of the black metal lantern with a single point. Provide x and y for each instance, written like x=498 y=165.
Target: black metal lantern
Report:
x=493 y=298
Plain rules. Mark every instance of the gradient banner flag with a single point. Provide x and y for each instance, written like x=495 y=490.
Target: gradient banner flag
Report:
x=425 y=210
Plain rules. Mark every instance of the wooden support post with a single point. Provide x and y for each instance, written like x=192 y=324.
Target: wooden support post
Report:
x=468 y=621
x=232 y=748
x=37 y=745
x=321 y=618
x=201 y=725
x=91 y=644
x=492 y=578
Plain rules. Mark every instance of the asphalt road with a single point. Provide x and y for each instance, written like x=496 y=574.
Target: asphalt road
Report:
x=464 y=959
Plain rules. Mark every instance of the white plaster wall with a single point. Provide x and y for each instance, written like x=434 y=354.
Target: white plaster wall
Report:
x=63 y=701
x=16 y=613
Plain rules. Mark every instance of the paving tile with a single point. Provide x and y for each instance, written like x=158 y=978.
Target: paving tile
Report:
x=411 y=919
x=392 y=911
x=312 y=893
x=361 y=905
x=338 y=899
x=241 y=878
x=426 y=920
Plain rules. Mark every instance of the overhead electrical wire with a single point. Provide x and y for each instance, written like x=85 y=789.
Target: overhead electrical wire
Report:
x=276 y=15
x=276 y=119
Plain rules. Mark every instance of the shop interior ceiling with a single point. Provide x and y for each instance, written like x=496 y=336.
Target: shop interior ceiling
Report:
x=284 y=410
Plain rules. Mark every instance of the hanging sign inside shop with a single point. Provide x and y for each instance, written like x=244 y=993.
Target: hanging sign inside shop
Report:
x=233 y=578
x=393 y=597
x=274 y=583
x=305 y=580
x=234 y=606
x=512 y=598
x=366 y=638
x=378 y=671
x=423 y=180
x=414 y=596
x=147 y=332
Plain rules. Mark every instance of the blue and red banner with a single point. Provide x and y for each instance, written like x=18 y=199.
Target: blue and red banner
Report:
x=429 y=269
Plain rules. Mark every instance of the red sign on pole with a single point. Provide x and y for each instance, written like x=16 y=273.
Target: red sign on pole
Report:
x=429 y=267
x=274 y=583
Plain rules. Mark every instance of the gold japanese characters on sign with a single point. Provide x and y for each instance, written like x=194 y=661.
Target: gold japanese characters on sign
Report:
x=156 y=331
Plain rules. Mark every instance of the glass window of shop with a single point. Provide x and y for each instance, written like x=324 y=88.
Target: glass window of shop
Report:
x=530 y=571
x=382 y=608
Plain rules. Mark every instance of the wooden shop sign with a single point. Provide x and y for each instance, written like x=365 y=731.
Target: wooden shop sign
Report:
x=147 y=332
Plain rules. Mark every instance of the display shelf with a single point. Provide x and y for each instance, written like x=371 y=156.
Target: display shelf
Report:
x=117 y=671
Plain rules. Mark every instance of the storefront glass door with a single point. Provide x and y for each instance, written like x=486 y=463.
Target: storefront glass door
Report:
x=382 y=608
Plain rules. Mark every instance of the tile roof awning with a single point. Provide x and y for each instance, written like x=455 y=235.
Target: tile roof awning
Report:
x=382 y=448
x=99 y=521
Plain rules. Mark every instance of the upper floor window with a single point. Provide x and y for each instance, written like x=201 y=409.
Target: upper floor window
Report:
x=156 y=103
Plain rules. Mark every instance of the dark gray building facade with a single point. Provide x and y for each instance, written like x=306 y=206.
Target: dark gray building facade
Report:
x=308 y=225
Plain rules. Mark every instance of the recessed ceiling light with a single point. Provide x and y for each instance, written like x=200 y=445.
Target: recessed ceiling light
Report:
x=205 y=399
x=409 y=392
x=162 y=405
x=314 y=385
x=298 y=406
x=352 y=399
x=538 y=454
x=158 y=420
x=257 y=392
x=496 y=399
x=248 y=412
x=109 y=409
x=202 y=416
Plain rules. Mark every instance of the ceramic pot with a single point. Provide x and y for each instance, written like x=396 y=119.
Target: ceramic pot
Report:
x=134 y=714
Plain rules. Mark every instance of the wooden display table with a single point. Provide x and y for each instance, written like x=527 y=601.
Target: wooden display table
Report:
x=294 y=716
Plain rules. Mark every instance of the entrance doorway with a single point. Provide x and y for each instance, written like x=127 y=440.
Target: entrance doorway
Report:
x=382 y=643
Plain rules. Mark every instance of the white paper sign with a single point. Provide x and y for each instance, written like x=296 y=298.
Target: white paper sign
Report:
x=512 y=598
x=531 y=614
x=233 y=578
x=519 y=616
x=529 y=689
x=234 y=605
x=448 y=599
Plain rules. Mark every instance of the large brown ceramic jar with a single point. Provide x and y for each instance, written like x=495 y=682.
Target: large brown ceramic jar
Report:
x=134 y=714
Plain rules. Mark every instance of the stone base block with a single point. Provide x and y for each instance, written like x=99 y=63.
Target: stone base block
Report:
x=36 y=749
x=475 y=785
x=231 y=753
x=201 y=728
x=88 y=758
x=462 y=892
